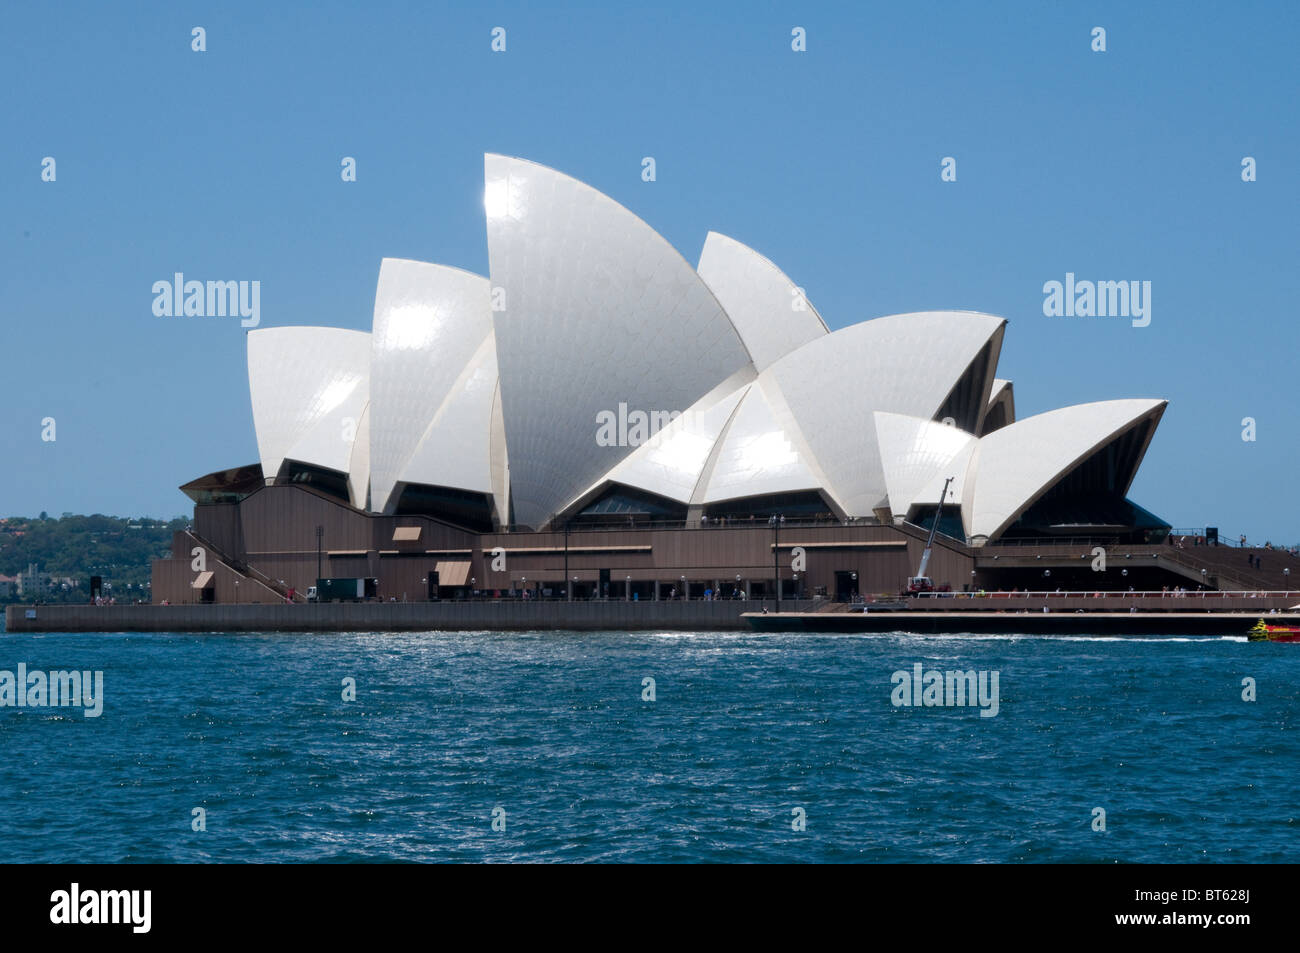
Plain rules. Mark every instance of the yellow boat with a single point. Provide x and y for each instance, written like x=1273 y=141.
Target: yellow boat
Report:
x=1263 y=632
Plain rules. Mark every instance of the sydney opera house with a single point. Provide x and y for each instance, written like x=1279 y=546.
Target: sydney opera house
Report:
x=597 y=418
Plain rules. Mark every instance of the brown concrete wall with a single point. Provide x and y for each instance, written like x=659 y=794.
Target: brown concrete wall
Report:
x=219 y=523
x=172 y=580
x=274 y=531
x=405 y=578
x=281 y=520
x=1108 y=602
x=719 y=553
x=386 y=617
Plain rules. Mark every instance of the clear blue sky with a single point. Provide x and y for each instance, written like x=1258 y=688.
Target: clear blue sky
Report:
x=225 y=165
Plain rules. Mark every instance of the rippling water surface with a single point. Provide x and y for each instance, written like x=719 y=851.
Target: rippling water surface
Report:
x=551 y=728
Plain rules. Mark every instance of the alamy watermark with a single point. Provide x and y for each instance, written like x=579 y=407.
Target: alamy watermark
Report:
x=936 y=689
x=128 y=907
x=56 y=689
x=1102 y=299
x=210 y=299
x=630 y=428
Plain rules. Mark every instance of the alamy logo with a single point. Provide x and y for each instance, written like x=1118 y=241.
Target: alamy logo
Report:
x=626 y=428
x=1102 y=299
x=24 y=689
x=211 y=299
x=75 y=905
x=933 y=688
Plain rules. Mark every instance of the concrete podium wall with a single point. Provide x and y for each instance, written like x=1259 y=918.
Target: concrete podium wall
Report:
x=391 y=616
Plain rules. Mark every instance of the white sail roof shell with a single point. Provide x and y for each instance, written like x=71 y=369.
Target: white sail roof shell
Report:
x=1015 y=465
x=767 y=308
x=359 y=464
x=309 y=387
x=760 y=454
x=672 y=461
x=456 y=447
x=957 y=468
x=599 y=310
x=904 y=363
x=499 y=458
x=917 y=452
x=429 y=323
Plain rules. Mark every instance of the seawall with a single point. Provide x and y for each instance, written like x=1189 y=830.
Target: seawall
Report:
x=383 y=617
x=624 y=616
x=1169 y=624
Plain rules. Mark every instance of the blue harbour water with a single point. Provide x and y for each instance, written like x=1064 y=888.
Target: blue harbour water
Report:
x=552 y=728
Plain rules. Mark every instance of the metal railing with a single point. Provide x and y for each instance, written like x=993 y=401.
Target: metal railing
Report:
x=758 y=522
x=1037 y=542
x=1118 y=595
x=1196 y=536
x=939 y=534
x=515 y=596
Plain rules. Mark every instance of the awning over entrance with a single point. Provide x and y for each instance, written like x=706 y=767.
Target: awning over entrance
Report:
x=452 y=572
x=203 y=580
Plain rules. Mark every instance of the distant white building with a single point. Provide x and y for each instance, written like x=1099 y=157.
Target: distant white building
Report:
x=32 y=582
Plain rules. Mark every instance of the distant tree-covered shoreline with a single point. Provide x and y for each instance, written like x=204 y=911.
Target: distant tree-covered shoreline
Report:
x=71 y=549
